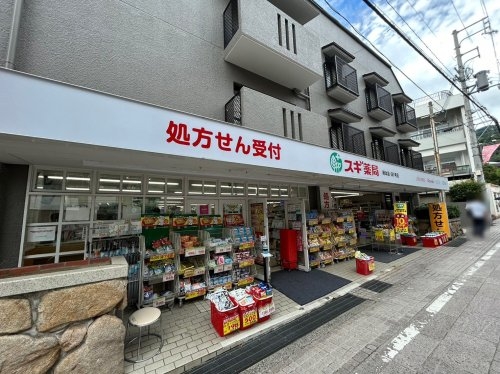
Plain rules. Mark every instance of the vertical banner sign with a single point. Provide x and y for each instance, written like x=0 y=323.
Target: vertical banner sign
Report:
x=400 y=218
x=439 y=218
x=325 y=197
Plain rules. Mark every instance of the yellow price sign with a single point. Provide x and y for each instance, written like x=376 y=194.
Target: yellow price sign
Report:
x=231 y=324
x=250 y=318
x=371 y=266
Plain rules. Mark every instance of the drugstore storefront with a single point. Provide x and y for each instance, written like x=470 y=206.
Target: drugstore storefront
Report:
x=94 y=157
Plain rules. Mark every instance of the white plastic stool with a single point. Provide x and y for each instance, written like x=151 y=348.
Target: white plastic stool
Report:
x=144 y=317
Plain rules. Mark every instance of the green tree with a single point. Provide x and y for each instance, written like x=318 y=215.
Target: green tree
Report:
x=467 y=190
x=491 y=174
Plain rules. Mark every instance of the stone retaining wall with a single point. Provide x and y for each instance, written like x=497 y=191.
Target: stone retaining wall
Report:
x=72 y=329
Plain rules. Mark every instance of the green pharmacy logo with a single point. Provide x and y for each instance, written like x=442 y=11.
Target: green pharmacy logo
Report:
x=336 y=162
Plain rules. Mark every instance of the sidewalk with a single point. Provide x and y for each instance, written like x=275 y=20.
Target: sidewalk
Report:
x=190 y=339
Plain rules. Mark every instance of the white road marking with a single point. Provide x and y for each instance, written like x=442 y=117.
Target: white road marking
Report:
x=409 y=333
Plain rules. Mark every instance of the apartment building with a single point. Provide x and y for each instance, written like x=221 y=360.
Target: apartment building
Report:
x=111 y=110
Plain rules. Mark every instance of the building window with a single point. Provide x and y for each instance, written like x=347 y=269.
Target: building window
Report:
x=347 y=138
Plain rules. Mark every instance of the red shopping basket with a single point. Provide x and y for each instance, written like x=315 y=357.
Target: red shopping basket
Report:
x=224 y=322
x=265 y=307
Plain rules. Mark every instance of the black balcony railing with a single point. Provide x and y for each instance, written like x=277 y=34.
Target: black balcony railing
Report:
x=406 y=157
x=378 y=149
x=340 y=73
x=417 y=162
x=391 y=152
x=347 y=138
x=233 y=110
x=378 y=98
x=405 y=114
x=231 y=22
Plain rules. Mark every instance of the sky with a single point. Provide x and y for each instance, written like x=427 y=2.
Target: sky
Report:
x=429 y=24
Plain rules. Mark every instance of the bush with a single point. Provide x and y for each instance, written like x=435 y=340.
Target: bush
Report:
x=421 y=212
x=453 y=211
x=465 y=191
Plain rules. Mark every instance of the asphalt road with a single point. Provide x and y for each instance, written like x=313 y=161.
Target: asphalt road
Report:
x=441 y=315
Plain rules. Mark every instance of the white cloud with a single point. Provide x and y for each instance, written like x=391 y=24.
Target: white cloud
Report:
x=429 y=24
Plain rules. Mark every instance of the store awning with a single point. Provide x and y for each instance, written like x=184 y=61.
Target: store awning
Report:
x=382 y=131
x=68 y=126
x=344 y=115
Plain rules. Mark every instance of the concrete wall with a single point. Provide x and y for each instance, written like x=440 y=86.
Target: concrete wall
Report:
x=13 y=180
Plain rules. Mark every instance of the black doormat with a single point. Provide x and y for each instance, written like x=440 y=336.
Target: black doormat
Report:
x=376 y=286
x=457 y=242
x=386 y=257
x=304 y=287
x=252 y=351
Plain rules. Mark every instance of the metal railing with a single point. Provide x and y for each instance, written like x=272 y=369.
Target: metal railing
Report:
x=231 y=21
x=378 y=98
x=391 y=152
x=424 y=134
x=435 y=96
x=338 y=72
x=417 y=162
x=405 y=114
x=451 y=171
x=233 y=110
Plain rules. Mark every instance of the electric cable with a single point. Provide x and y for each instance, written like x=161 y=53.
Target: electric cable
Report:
x=411 y=44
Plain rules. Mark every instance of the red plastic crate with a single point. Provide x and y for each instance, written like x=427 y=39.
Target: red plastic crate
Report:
x=224 y=322
x=265 y=307
x=408 y=240
x=365 y=267
x=430 y=242
x=248 y=316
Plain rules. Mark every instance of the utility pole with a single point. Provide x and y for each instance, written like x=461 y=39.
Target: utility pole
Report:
x=476 y=155
x=437 y=157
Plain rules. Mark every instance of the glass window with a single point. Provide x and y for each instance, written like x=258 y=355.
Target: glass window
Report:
x=239 y=189
x=174 y=205
x=131 y=207
x=284 y=191
x=155 y=205
x=210 y=188
x=195 y=187
x=252 y=189
x=73 y=238
x=263 y=190
x=226 y=189
x=106 y=208
x=132 y=184
x=156 y=185
x=174 y=186
x=43 y=208
x=40 y=240
x=109 y=183
x=76 y=208
x=48 y=180
x=294 y=191
x=275 y=191
x=77 y=181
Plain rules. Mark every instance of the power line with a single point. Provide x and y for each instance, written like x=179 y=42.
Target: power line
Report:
x=411 y=44
x=422 y=18
x=383 y=55
x=460 y=18
x=406 y=23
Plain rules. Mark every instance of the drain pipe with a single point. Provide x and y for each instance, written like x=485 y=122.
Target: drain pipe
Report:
x=14 y=30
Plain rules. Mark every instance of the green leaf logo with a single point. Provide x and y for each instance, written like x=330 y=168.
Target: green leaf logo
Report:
x=336 y=162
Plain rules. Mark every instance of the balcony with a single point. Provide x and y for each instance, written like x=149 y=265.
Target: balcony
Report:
x=341 y=81
x=264 y=40
x=406 y=121
x=258 y=111
x=451 y=171
x=378 y=102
